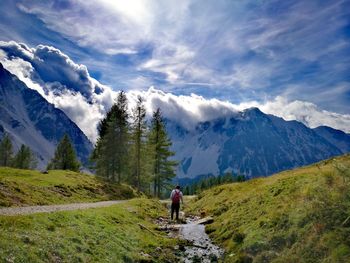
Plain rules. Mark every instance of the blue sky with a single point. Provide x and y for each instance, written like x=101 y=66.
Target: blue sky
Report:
x=238 y=51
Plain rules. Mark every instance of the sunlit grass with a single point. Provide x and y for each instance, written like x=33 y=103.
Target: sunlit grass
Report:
x=293 y=216
x=26 y=187
x=109 y=234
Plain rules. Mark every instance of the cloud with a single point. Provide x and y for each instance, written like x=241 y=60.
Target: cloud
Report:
x=60 y=81
x=185 y=110
x=190 y=110
x=307 y=113
x=50 y=65
x=233 y=48
x=85 y=100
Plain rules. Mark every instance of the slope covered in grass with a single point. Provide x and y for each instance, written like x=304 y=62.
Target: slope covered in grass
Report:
x=300 y=215
x=27 y=187
x=109 y=234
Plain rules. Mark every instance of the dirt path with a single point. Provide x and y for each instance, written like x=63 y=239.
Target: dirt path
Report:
x=12 y=211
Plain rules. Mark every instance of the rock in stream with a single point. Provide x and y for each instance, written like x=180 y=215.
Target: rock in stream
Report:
x=199 y=247
x=202 y=249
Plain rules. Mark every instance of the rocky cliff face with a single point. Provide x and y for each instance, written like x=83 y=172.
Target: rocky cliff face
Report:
x=250 y=143
x=338 y=138
x=31 y=120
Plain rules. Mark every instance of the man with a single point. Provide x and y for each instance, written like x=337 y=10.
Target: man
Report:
x=176 y=196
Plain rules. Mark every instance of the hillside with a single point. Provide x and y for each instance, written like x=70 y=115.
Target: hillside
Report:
x=110 y=234
x=300 y=215
x=31 y=120
x=27 y=187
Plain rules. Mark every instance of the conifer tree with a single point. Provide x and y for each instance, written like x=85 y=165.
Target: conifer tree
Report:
x=24 y=158
x=163 y=168
x=97 y=162
x=140 y=165
x=65 y=157
x=6 y=151
x=111 y=154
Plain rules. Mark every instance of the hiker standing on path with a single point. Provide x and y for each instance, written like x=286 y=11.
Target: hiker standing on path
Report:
x=176 y=196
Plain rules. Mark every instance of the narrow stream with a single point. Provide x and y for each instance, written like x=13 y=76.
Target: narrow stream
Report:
x=199 y=247
x=202 y=250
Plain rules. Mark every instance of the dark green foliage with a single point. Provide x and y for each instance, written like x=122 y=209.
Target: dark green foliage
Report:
x=112 y=148
x=212 y=181
x=132 y=152
x=6 y=151
x=65 y=157
x=24 y=158
x=140 y=163
x=163 y=168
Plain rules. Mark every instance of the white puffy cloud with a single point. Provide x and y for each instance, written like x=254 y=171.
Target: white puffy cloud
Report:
x=307 y=113
x=60 y=81
x=88 y=103
x=189 y=110
x=186 y=110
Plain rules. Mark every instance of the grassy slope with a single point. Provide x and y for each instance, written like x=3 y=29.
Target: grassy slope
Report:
x=109 y=234
x=26 y=187
x=293 y=216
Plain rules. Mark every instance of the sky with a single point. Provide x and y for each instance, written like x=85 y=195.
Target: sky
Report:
x=290 y=58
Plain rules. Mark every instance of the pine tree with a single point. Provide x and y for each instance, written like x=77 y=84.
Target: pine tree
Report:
x=111 y=154
x=6 y=151
x=99 y=163
x=65 y=157
x=140 y=168
x=25 y=158
x=163 y=168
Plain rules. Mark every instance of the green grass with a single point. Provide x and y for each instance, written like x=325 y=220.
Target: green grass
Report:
x=293 y=216
x=109 y=234
x=27 y=187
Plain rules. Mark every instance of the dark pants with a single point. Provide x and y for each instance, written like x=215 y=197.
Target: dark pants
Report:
x=175 y=207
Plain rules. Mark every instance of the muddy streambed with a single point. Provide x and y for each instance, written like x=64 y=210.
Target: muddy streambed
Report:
x=198 y=247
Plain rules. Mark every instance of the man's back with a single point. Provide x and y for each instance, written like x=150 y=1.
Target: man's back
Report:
x=176 y=196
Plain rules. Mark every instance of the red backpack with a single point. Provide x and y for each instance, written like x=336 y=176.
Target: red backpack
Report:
x=176 y=197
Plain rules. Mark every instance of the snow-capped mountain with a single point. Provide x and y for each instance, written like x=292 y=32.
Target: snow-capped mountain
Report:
x=251 y=143
x=31 y=120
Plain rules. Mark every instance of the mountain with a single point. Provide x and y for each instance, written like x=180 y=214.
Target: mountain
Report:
x=32 y=121
x=336 y=137
x=250 y=143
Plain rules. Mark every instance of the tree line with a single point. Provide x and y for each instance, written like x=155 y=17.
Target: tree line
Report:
x=131 y=150
x=23 y=159
x=64 y=157
x=208 y=182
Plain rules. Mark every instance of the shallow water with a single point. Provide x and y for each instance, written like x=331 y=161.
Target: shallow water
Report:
x=202 y=250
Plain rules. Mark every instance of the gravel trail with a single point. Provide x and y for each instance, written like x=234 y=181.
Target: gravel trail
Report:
x=26 y=210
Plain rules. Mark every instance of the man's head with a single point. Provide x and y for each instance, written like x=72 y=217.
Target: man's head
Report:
x=178 y=187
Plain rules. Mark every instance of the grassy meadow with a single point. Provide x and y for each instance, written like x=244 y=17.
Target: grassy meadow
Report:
x=300 y=215
x=110 y=234
x=29 y=187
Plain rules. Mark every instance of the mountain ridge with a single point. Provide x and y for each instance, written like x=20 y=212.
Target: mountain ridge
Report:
x=31 y=120
x=251 y=143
